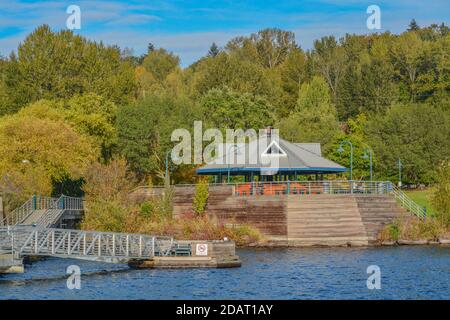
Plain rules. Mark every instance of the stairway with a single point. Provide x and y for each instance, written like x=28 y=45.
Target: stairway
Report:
x=377 y=211
x=43 y=212
x=328 y=220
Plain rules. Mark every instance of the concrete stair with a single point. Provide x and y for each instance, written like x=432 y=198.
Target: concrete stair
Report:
x=324 y=220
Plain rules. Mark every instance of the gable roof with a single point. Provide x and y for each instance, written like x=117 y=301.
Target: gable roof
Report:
x=299 y=157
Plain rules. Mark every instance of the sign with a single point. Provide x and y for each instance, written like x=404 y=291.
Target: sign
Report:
x=201 y=249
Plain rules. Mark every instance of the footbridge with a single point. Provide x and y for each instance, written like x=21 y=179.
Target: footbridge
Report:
x=85 y=245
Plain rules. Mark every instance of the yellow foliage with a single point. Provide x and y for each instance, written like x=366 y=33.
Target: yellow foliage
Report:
x=35 y=151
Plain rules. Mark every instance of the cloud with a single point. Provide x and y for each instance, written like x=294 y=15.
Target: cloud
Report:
x=188 y=28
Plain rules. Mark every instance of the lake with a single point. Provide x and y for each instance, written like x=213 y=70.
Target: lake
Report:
x=407 y=272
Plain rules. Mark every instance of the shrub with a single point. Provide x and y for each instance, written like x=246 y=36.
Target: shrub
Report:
x=201 y=197
x=441 y=194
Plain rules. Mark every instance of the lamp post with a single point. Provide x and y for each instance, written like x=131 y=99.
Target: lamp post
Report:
x=167 y=182
x=399 y=163
x=368 y=153
x=341 y=149
x=228 y=159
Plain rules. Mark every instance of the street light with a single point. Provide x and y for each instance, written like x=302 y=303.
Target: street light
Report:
x=341 y=149
x=400 y=165
x=167 y=182
x=368 y=153
x=228 y=159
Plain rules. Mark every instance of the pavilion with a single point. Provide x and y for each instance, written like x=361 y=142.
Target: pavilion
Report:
x=278 y=160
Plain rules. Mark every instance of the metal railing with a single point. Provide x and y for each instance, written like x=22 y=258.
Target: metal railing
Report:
x=407 y=203
x=86 y=245
x=52 y=205
x=19 y=214
x=311 y=187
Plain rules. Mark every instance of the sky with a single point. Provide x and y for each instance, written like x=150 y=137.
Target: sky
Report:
x=188 y=27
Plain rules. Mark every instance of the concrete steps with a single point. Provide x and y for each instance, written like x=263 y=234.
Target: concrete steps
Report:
x=324 y=220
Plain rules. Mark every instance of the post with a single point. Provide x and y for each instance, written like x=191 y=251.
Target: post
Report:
x=127 y=245
x=53 y=241
x=99 y=245
x=68 y=243
x=153 y=246
x=399 y=173
x=84 y=243
x=113 y=244
x=167 y=178
x=2 y=215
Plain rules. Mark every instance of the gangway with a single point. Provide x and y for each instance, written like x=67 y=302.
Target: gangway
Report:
x=110 y=247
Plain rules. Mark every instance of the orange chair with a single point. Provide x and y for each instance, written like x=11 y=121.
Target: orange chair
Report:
x=298 y=188
x=244 y=189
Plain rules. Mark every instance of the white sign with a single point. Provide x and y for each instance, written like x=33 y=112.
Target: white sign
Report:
x=202 y=249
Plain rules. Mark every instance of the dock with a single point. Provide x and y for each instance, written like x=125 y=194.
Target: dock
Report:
x=138 y=250
x=203 y=254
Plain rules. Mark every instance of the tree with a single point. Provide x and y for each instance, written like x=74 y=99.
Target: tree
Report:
x=160 y=63
x=315 y=118
x=329 y=59
x=269 y=46
x=60 y=64
x=408 y=52
x=35 y=153
x=228 y=109
x=415 y=133
x=413 y=26
x=213 y=50
x=89 y=114
x=441 y=194
x=144 y=131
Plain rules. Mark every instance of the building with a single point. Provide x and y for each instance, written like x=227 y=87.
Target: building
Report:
x=273 y=160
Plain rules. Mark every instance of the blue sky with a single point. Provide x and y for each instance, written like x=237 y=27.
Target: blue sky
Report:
x=188 y=27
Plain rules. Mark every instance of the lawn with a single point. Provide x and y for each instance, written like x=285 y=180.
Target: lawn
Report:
x=422 y=198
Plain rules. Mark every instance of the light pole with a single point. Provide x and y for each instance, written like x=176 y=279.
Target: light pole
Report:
x=341 y=149
x=167 y=182
x=228 y=159
x=399 y=163
x=368 y=153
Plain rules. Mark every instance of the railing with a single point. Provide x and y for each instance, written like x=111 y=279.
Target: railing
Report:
x=87 y=245
x=407 y=203
x=19 y=214
x=311 y=187
x=53 y=205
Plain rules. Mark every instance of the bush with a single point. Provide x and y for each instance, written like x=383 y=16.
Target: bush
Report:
x=441 y=194
x=201 y=197
x=414 y=229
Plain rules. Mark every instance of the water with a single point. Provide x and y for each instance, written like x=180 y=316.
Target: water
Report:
x=421 y=272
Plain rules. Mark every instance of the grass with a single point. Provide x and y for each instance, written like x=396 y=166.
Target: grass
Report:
x=422 y=198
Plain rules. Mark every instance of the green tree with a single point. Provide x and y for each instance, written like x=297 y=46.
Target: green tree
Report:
x=225 y=108
x=315 y=118
x=417 y=134
x=441 y=194
x=213 y=50
x=144 y=131
x=60 y=64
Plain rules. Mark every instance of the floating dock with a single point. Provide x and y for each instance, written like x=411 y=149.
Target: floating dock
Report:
x=195 y=254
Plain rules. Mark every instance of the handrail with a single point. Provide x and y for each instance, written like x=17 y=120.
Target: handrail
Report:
x=20 y=214
x=407 y=203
